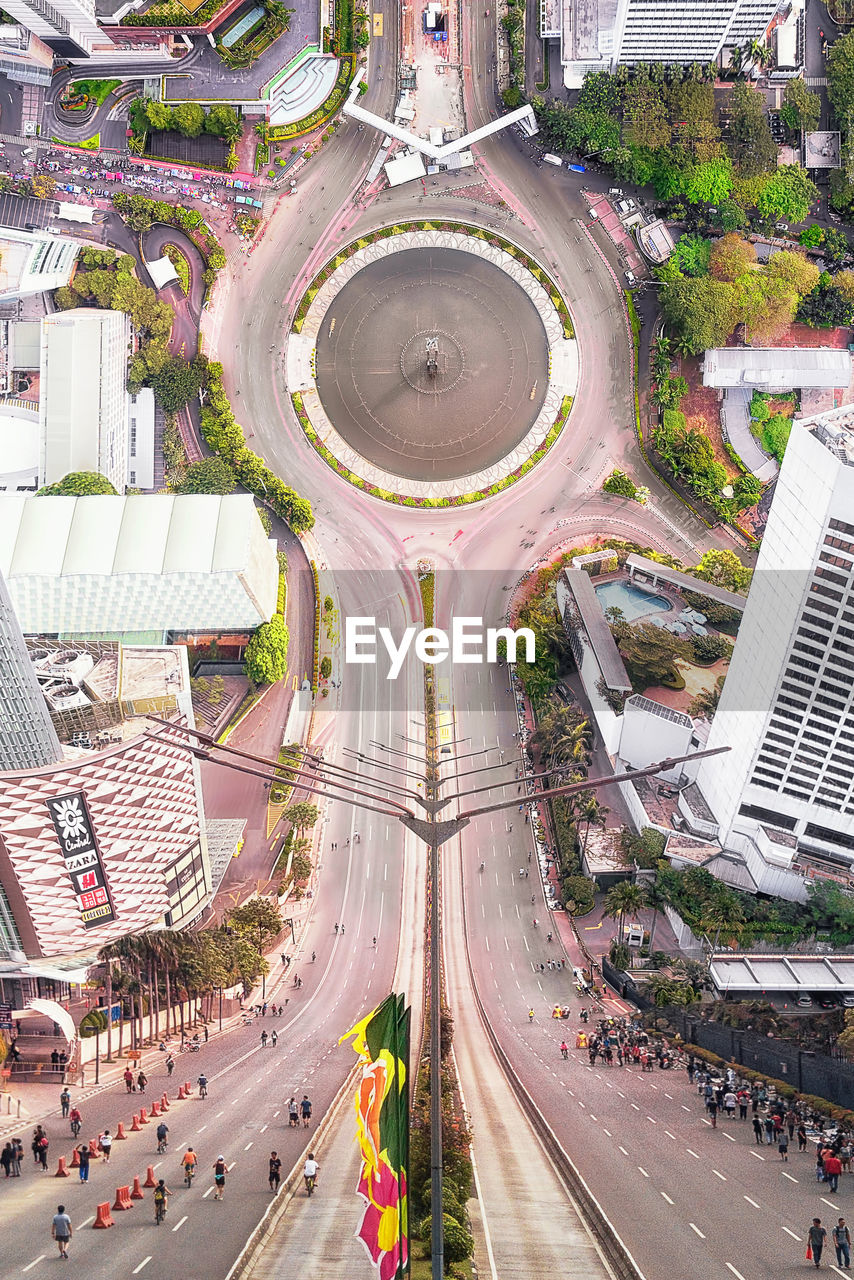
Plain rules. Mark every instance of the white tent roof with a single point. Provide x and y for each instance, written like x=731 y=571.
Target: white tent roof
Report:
x=162 y=272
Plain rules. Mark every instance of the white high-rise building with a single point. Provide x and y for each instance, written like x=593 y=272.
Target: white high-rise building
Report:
x=69 y=27
x=83 y=406
x=598 y=36
x=783 y=796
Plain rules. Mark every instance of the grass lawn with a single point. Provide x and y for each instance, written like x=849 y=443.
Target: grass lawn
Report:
x=97 y=89
x=89 y=144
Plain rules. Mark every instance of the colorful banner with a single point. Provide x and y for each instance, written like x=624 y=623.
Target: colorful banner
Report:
x=382 y=1124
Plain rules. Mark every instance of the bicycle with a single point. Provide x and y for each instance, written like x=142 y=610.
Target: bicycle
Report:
x=203 y=1090
x=159 y=1211
x=75 y=1128
x=162 y=1146
x=310 y=1180
x=189 y=1174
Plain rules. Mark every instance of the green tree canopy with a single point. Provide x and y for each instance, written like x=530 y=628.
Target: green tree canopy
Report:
x=753 y=148
x=188 y=118
x=731 y=257
x=788 y=193
x=258 y=918
x=710 y=182
x=177 y=382
x=209 y=475
x=303 y=815
x=77 y=484
x=703 y=311
x=840 y=78
x=724 y=569
x=649 y=652
x=266 y=659
x=801 y=107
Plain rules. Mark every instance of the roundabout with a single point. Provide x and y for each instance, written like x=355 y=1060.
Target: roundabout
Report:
x=430 y=365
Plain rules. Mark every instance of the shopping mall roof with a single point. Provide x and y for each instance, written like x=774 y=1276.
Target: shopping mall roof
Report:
x=763 y=974
x=777 y=368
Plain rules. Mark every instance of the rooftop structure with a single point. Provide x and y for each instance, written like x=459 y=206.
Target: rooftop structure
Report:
x=19 y=445
x=655 y=241
x=822 y=149
x=642 y=566
x=760 y=974
x=162 y=271
x=595 y=625
x=83 y=405
x=27 y=737
x=150 y=564
x=776 y=368
x=34 y=262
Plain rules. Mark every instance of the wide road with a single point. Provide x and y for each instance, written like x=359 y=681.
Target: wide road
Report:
x=243 y=1118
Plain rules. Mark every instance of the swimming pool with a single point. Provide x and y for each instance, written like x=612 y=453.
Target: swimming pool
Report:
x=632 y=599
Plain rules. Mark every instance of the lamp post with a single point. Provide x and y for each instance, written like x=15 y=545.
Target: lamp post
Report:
x=336 y=782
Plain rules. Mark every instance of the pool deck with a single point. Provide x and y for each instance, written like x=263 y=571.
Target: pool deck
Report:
x=672 y=596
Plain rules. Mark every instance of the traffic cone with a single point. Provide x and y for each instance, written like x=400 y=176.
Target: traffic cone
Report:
x=93 y=1148
x=103 y=1217
x=137 y=1193
x=164 y=1103
x=143 y=1116
x=150 y=1180
x=122 y=1200
x=188 y=1088
x=61 y=1171
x=181 y=1094
x=136 y=1126
x=75 y=1159
x=155 y=1108
x=120 y=1132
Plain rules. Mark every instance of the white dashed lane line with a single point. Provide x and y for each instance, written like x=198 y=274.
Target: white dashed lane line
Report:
x=34 y=1263
x=178 y=1225
x=666 y=1197
x=793 y=1234
x=144 y=1263
x=692 y=1153
x=789 y=1176
x=697 y=1229
x=757 y=1155
x=753 y=1202
x=737 y=1274
x=643 y=1171
x=719 y=1175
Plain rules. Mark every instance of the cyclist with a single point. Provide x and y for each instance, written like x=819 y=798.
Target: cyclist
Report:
x=188 y=1160
x=375 y=939
x=564 y=1049
x=76 y=1121
x=263 y=1039
x=482 y=866
x=274 y=1038
x=162 y=1135
x=530 y=1015
x=219 y=1177
x=310 y=1171
x=161 y=1196
x=203 y=1085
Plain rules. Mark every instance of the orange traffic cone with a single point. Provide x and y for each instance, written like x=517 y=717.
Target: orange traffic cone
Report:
x=136 y=1126
x=181 y=1094
x=120 y=1132
x=103 y=1218
x=93 y=1148
x=61 y=1171
x=150 y=1180
x=137 y=1193
x=164 y=1103
x=143 y=1116
x=122 y=1200
x=75 y=1159
x=155 y=1108
x=188 y=1088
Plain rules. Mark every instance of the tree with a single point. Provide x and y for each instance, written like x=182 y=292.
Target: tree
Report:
x=650 y=652
x=840 y=77
x=801 y=107
x=564 y=738
x=325 y=667
x=705 y=703
x=646 y=849
x=623 y=899
x=710 y=182
x=224 y=122
x=43 y=185
x=459 y=1243
x=775 y=435
x=730 y=216
x=704 y=311
x=66 y=299
x=77 y=484
x=724 y=569
x=188 y=118
x=658 y=896
x=789 y=194
x=158 y=115
x=259 y=918
x=177 y=382
x=731 y=258
x=753 y=148
x=691 y=255
x=302 y=816
x=266 y=659
x=209 y=475
x=670 y=392
x=812 y=236
x=619 y=483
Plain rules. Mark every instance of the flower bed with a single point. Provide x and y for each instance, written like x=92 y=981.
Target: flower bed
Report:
x=296 y=128
x=181 y=265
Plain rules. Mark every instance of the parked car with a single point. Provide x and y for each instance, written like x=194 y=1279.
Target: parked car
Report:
x=631 y=278
x=782 y=226
x=827 y=1002
x=804 y=1002
x=848 y=1002
x=615 y=191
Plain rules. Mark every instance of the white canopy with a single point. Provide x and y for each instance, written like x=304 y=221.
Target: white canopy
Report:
x=54 y=1010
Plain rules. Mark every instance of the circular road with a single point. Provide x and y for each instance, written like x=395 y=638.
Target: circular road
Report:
x=432 y=363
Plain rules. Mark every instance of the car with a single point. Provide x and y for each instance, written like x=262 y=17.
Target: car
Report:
x=615 y=191
x=827 y=1002
x=782 y=226
x=848 y=1002
x=804 y=1002
x=630 y=277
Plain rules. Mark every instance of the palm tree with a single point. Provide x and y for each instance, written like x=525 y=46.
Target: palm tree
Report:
x=592 y=814
x=736 y=60
x=722 y=912
x=658 y=896
x=695 y=73
x=622 y=898
x=711 y=72
x=756 y=51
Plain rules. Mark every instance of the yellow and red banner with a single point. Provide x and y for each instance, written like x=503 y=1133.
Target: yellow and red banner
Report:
x=382 y=1128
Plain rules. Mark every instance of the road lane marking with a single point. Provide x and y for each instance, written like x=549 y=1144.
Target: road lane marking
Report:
x=651 y=1121
x=697 y=1229
x=222 y=1113
x=179 y=1225
x=207 y=1193
x=670 y=1135
x=606 y=1132
x=652 y=1086
x=719 y=1175
x=737 y=1274
x=667 y=1197
x=684 y=1108
x=624 y=1151
x=248 y=1145
x=204 y=1126
x=829 y=1203
x=793 y=1234
x=264 y=1129
x=34 y=1263
x=592 y=1117
x=86 y=1222
x=144 y=1263
x=758 y=1156
x=789 y=1176
x=732 y=1139
x=668 y=1095
x=692 y=1153
x=635 y=1106
x=643 y=1171
x=753 y=1202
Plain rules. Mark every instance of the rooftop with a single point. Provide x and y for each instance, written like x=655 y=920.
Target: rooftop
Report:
x=684 y=581
x=776 y=368
x=655 y=241
x=598 y=632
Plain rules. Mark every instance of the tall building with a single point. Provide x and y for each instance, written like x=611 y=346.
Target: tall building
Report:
x=599 y=36
x=27 y=737
x=83 y=408
x=69 y=27
x=783 y=796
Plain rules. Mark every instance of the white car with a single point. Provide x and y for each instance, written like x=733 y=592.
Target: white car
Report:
x=782 y=226
x=804 y=1002
x=848 y=1002
x=631 y=278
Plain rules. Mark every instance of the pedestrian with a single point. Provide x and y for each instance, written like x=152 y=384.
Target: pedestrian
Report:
x=141 y=1081
x=206 y=1033
x=783 y=1145
x=170 y=1064
x=263 y=1039
x=62 y=1230
x=274 y=1037
x=128 y=1079
x=38 y=1134
x=712 y=1105
x=769 y=1130
x=264 y=1009
x=305 y=1110
x=819 y=1168
x=743 y=1102
x=105 y=1142
x=844 y=1154
x=219 y=1170
x=42 y=1152
x=842 y=1241
x=802 y=1137
x=65 y=1103
x=730 y=1103
x=84 y=1156
x=6 y=1159
x=791 y=1121
x=17 y=1157
x=757 y=1130
x=293 y=1113
x=815 y=1244
x=284 y=959
x=832 y=1170
x=275 y=1172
